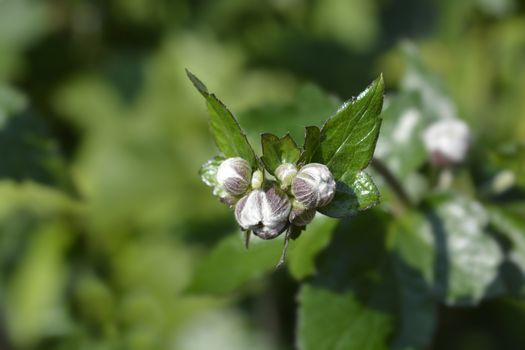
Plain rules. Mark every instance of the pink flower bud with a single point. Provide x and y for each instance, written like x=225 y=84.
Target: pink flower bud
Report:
x=234 y=176
x=285 y=174
x=264 y=211
x=447 y=141
x=313 y=186
x=301 y=216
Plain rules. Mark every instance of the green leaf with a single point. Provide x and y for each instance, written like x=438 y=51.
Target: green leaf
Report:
x=310 y=106
x=349 y=304
x=400 y=145
x=364 y=297
x=414 y=267
x=348 y=138
x=277 y=151
x=312 y=138
x=452 y=250
x=226 y=131
x=417 y=315
x=436 y=102
x=303 y=251
x=354 y=192
x=512 y=228
x=11 y=101
x=231 y=266
x=469 y=258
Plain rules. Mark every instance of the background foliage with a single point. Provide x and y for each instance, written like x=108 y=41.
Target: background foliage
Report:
x=108 y=240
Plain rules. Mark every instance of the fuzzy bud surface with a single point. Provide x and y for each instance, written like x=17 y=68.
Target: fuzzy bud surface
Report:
x=234 y=175
x=264 y=211
x=313 y=186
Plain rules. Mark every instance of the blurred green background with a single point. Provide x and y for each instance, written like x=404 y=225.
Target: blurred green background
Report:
x=103 y=219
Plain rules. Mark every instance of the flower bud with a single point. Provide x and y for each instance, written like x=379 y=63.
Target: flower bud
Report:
x=264 y=211
x=447 y=141
x=301 y=216
x=313 y=186
x=285 y=174
x=234 y=176
x=257 y=179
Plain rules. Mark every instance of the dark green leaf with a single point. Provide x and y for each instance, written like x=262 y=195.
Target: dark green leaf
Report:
x=364 y=297
x=413 y=258
x=302 y=253
x=227 y=133
x=348 y=138
x=277 y=151
x=353 y=193
x=230 y=265
x=28 y=151
x=512 y=228
x=310 y=106
x=351 y=295
x=312 y=137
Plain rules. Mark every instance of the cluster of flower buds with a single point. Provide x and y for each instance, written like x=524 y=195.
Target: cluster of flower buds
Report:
x=267 y=208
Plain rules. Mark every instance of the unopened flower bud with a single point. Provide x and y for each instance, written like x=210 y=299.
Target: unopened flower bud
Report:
x=313 y=186
x=234 y=176
x=447 y=141
x=264 y=211
x=301 y=216
x=257 y=179
x=228 y=199
x=285 y=174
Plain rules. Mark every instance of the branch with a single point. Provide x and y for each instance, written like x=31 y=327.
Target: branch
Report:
x=392 y=182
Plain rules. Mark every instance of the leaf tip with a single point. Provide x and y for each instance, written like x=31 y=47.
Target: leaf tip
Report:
x=199 y=85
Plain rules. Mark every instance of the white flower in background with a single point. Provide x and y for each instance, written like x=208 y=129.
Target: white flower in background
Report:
x=447 y=141
x=313 y=186
x=264 y=211
x=285 y=174
x=234 y=176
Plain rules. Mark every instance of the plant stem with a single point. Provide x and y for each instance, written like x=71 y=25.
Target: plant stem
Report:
x=392 y=182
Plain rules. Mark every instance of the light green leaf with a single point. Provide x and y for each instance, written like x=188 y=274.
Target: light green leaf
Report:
x=469 y=258
x=348 y=138
x=277 y=151
x=452 y=250
x=312 y=137
x=400 y=145
x=231 y=266
x=436 y=102
x=354 y=192
x=227 y=132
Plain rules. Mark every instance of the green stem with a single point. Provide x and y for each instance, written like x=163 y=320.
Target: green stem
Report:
x=392 y=182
